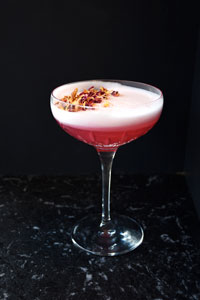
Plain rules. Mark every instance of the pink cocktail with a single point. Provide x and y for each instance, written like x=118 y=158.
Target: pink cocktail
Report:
x=106 y=125
x=128 y=116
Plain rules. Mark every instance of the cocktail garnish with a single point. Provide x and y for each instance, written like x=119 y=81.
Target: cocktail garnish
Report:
x=87 y=99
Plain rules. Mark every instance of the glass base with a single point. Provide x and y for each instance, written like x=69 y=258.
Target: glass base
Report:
x=121 y=235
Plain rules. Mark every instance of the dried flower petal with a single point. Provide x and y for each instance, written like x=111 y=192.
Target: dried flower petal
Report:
x=87 y=98
x=106 y=104
x=115 y=93
x=74 y=93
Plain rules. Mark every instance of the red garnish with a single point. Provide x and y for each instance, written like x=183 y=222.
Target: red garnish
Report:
x=115 y=93
x=87 y=98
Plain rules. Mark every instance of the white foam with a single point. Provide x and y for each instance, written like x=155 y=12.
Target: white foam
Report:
x=133 y=106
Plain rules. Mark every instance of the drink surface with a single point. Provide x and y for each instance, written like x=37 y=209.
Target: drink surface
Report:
x=127 y=117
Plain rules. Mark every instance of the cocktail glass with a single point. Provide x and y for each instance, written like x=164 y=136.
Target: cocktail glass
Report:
x=103 y=234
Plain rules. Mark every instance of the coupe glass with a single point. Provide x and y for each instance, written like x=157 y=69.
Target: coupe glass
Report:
x=104 y=234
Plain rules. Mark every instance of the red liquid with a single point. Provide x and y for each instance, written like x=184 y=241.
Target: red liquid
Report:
x=109 y=139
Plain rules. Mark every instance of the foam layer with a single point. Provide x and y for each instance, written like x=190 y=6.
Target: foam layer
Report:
x=132 y=107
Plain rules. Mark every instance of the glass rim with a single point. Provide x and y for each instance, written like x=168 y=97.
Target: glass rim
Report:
x=123 y=82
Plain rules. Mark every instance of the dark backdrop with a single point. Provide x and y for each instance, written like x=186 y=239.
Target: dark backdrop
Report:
x=192 y=161
x=49 y=43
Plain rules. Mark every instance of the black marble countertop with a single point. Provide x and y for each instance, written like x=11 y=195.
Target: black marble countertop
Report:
x=38 y=260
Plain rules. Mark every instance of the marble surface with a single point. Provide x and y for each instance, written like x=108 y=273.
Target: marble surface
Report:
x=38 y=260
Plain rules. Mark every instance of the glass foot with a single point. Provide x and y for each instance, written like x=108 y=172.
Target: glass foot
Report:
x=121 y=235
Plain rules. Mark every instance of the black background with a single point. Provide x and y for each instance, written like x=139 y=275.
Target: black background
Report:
x=48 y=43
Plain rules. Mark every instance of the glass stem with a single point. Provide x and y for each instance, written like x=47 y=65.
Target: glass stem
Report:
x=106 y=159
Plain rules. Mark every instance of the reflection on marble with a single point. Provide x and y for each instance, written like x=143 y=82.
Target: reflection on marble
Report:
x=38 y=260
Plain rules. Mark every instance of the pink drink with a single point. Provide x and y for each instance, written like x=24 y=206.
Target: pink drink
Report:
x=106 y=115
x=128 y=116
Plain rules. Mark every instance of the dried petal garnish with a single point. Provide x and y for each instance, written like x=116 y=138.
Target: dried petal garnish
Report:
x=86 y=99
x=74 y=94
x=115 y=93
x=106 y=104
